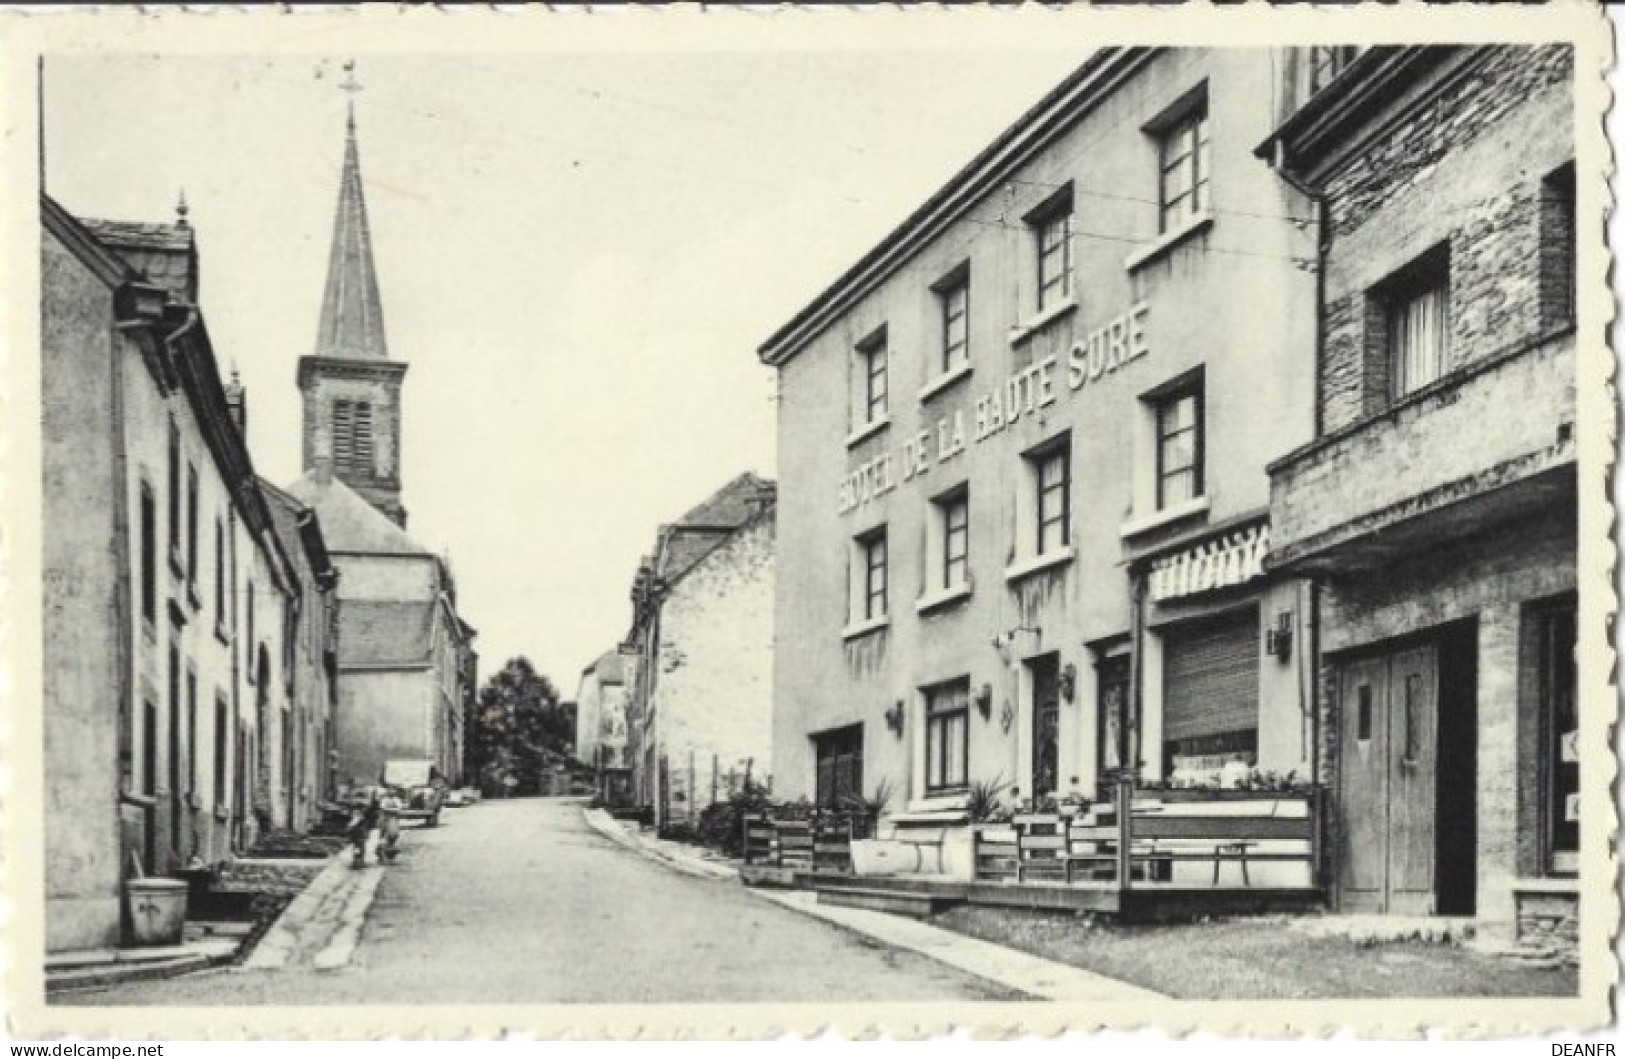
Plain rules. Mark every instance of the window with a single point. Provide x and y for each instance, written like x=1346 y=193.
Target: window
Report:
x=1557 y=248
x=873 y=366
x=191 y=525
x=219 y=574
x=955 y=303
x=1362 y=716
x=1179 y=446
x=947 y=730
x=352 y=436
x=174 y=492
x=1413 y=321
x=1327 y=61
x=872 y=575
x=149 y=554
x=955 y=512
x=1053 y=470
x=1560 y=724
x=222 y=733
x=251 y=643
x=1183 y=152
x=1053 y=228
x=193 y=768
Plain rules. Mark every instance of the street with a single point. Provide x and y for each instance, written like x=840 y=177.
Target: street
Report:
x=514 y=902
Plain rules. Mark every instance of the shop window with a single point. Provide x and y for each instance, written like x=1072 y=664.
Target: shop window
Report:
x=1210 y=696
x=1112 y=690
x=1051 y=226
x=953 y=298
x=1180 y=444
x=947 y=732
x=1560 y=735
x=1408 y=325
x=1183 y=156
x=870 y=570
x=149 y=555
x=1557 y=248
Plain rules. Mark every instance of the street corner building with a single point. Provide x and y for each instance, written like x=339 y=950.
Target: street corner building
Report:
x=698 y=658
x=186 y=700
x=601 y=734
x=406 y=668
x=1200 y=473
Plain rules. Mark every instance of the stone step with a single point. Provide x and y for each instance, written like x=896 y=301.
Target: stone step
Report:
x=119 y=973
x=913 y=903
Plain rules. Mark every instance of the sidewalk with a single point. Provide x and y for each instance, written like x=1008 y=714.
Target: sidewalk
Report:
x=322 y=926
x=1033 y=975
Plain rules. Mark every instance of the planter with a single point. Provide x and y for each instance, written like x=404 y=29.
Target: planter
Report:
x=883 y=856
x=157 y=910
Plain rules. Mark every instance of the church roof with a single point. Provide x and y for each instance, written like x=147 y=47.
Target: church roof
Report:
x=352 y=322
x=349 y=522
x=385 y=632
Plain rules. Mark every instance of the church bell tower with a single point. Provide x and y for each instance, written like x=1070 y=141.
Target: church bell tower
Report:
x=351 y=389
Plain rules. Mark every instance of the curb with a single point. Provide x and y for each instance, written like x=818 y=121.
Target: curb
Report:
x=1032 y=975
x=607 y=826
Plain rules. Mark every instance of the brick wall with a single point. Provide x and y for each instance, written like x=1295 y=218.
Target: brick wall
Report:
x=1465 y=170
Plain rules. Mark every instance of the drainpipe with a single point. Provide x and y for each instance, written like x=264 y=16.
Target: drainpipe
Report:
x=138 y=308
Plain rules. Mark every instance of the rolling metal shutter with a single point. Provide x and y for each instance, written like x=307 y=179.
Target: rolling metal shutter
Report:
x=1210 y=677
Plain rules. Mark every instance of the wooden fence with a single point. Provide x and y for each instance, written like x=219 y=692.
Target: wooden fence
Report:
x=820 y=842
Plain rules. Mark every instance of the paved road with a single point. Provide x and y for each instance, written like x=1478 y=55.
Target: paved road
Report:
x=520 y=902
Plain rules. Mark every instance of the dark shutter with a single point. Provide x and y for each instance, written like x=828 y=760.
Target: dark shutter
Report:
x=1210 y=677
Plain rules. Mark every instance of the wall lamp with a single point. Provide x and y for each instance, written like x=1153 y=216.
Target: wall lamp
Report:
x=984 y=700
x=1278 y=641
x=894 y=718
x=1069 y=681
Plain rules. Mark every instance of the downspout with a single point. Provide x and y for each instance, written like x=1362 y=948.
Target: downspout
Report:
x=1323 y=242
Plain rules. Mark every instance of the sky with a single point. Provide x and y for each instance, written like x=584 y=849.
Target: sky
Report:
x=579 y=254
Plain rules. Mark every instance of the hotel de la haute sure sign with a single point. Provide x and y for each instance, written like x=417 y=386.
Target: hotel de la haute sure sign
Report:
x=1026 y=392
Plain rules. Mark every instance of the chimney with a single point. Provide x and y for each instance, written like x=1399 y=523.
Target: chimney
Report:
x=237 y=403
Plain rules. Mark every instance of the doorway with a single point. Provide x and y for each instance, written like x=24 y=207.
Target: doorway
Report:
x=1408 y=757
x=1045 y=673
x=838 y=756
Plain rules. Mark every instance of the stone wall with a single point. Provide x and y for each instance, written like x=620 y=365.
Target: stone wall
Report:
x=1466 y=170
x=714 y=695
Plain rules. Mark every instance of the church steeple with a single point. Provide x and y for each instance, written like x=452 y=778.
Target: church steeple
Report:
x=352 y=390
x=352 y=323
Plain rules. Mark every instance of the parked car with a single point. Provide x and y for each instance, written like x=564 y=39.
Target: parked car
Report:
x=420 y=786
x=458 y=797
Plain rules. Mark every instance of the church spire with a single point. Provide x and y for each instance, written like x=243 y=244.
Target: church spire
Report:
x=352 y=322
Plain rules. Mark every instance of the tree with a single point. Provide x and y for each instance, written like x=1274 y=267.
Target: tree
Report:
x=521 y=729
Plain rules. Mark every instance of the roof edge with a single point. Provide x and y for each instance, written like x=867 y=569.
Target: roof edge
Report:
x=1051 y=116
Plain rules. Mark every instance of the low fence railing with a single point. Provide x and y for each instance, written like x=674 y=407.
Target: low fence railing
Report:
x=1187 y=838
x=820 y=841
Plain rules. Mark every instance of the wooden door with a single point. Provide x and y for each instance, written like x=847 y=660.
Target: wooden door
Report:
x=1389 y=782
x=1364 y=780
x=1046 y=725
x=1413 y=754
